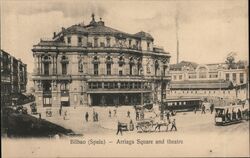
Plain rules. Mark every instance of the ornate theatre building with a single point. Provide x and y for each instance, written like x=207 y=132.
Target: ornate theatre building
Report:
x=93 y=65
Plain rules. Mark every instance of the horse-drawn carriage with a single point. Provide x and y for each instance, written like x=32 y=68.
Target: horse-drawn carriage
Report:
x=152 y=119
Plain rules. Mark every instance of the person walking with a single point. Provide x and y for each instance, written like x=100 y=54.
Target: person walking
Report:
x=109 y=113
x=131 y=125
x=119 y=128
x=128 y=114
x=168 y=116
x=96 y=116
x=65 y=115
x=173 y=125
x=137 y=115
x=212 y=108
x=195 y=109
x=94 y=119
x=203 y=109
x=115 y=112
x=60 y=111
x=87 y=116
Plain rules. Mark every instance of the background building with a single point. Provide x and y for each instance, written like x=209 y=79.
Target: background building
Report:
x=97 y=65
x=209 y=80
x=13 y=79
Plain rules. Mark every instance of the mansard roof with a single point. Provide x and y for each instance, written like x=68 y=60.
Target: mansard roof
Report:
x=99 y=28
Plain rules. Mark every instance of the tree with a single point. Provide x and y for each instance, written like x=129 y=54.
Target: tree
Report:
x=230 y=60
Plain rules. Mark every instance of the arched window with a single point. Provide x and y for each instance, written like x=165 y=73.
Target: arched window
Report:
x=80 y=66
x=108 y=67
x=46 y=68
x=64 y=63
x=202 y=72
x=139 y=66
x=46 y=62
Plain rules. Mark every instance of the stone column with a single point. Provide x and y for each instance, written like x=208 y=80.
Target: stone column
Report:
x=35 y=71
x=38 y=65
x=89 y=100
x=142 y=98
x=41 y=65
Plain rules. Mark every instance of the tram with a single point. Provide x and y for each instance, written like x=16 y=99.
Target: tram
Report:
x=182 y=104
x=229 y=114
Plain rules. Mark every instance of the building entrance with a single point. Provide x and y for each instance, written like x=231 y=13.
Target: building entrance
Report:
x=116 y=99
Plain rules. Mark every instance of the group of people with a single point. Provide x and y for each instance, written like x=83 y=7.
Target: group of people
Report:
x=95 y=116
x=166 y=124
x=120 y=127
x=110 y=113
x=203 y=109
x=139 y=115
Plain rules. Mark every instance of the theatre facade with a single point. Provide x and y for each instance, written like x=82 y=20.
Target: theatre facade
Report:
x=95 y=65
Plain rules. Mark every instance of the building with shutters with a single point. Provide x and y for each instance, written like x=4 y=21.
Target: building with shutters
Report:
x=95 y=65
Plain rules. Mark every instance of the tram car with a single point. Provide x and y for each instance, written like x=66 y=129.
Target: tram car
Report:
x=229 y=114
x=182 y=104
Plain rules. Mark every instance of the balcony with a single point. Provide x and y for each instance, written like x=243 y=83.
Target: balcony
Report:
x=51 y=77
x=118 y=90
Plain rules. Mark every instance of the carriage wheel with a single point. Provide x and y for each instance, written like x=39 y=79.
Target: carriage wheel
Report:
x=145 y=128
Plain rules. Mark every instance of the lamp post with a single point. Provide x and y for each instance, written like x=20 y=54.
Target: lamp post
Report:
x=162 y=107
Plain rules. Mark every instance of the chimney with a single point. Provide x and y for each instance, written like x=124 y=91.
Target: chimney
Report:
x=54 y=34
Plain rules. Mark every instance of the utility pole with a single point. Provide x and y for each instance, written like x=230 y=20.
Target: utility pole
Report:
x=177 y=35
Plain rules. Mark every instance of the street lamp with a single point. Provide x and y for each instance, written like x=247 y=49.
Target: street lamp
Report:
x=162 y=107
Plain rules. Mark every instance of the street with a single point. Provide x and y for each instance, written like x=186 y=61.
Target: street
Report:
x=197 y=130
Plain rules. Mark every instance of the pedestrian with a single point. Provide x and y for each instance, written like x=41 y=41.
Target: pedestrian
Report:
x=119 y=128
x=65 y=115
x=137 y=116
x=60 y=111
x=93 y=115
x=195 y=109
x=109 y=113
x=87 y=116
x=212 y=108
x=142 y=115
x=96 y=116
x=168 y=116
x=115 y=112
x=173 y=125
x=128 y=114
x=203 y=109
x=131 y=125
x=40 y=116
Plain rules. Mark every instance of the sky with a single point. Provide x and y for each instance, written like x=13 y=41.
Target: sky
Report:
x=207 y=30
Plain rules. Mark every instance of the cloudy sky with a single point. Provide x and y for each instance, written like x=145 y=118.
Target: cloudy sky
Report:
x=208 y=29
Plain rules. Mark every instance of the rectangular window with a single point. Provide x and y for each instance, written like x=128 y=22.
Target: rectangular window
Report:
x=227 y=76
x=96 y=42
x=241 y=78
x=108 y=42
x=69 y=40
x=180 y=77
x=131 y=69
x=106 y=85
x=108 y=66
x=64 y=68
x=148 y=45
x=234 y=77
x=95 y=69
x=174 y=77
x=129 y=43
x=79 y=39
x=120 y=72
